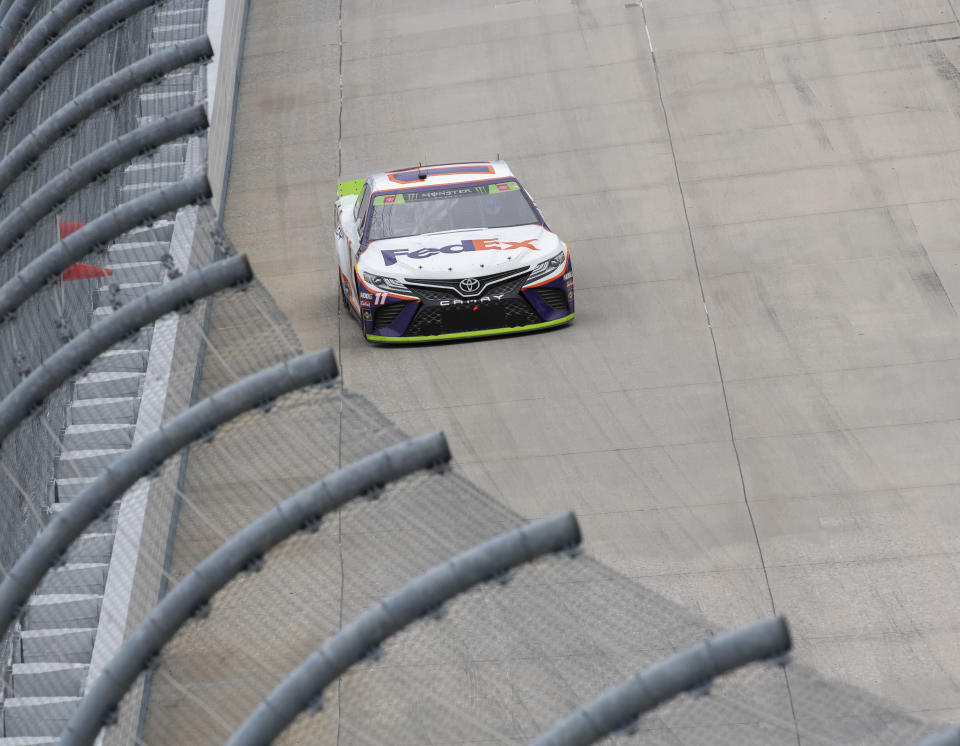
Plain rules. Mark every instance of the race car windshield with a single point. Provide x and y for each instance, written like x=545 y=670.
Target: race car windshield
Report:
x=499 y=205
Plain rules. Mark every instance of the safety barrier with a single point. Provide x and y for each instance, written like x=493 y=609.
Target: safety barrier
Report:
x=317 y=368
x=619 y=707
x=98 y=233
x=302 y=687
x=302 y=511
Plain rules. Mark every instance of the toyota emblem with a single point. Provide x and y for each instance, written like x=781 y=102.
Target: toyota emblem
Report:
x=469 y=285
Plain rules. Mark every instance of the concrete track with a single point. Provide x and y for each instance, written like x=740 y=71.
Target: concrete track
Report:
x=758 y=406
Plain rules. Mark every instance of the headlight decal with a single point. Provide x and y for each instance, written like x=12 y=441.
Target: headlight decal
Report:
x=379 y=296
x=547 y=269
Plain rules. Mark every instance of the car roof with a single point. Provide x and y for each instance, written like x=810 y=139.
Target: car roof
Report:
x=439 y=174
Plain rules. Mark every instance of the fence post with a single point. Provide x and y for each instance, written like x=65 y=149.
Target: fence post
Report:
x=305 y=684
x=82 y=350
x=621 y=705
x=302 y=511
x=316 y=368
x=96 y=97
x=123 y=149
x=61 y=50
x=98 y=232
x=12 y=21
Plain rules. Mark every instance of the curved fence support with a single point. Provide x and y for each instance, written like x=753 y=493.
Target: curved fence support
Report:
x=53 y=57
x=620 y=706
x=123 y=149
x=40 y=34
x=949 y=737
x=12 y=21
x=96 y=97
x=305 y=684
x=302 y=511
x=81 y=351
x=99 y=232
x=316 y=368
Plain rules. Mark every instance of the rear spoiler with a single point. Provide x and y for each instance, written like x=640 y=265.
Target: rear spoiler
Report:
x=354 y=186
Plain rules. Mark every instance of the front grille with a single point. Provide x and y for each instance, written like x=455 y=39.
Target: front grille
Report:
x=435 y=295
x=386 y=315
x=469 y=318
x=453 y=284
x=501 y=305
x=556 y=298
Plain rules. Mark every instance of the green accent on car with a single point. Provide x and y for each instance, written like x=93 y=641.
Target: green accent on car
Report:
x=354 y=186
x=495 y=188
x=467 y=335
x=397 y=199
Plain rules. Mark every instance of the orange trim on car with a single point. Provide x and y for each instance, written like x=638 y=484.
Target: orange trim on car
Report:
x=440 y=170
x=552 y=278
x=380 y=290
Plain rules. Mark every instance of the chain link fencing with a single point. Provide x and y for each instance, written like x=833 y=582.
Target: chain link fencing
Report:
x=500 y=663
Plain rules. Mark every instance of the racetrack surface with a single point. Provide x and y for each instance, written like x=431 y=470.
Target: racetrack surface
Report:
x=758 y=405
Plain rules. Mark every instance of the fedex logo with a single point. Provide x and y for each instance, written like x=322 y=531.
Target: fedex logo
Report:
x=479 y=244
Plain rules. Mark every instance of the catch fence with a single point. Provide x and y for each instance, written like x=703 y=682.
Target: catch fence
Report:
x=206 y=538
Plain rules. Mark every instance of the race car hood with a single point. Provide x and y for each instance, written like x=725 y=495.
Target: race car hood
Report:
x=460 y=253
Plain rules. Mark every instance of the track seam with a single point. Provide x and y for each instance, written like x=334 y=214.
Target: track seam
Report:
x=713 y=340
x=340 y=356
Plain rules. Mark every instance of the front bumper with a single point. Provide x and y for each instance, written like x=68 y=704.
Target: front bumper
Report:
x=437 y=314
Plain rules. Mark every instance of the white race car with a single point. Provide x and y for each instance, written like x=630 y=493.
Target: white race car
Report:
x=449 y=251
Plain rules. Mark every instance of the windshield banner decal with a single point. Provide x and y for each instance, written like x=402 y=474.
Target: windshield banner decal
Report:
x=479 y=244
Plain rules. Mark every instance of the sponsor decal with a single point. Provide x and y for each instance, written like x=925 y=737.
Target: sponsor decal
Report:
x=448 y=193
x=368 y=300
x=445 y=193
x=470 y=285
x=366 y=315
x=479 y=244
x=473 y=301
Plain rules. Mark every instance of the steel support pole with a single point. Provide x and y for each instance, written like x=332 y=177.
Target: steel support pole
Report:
x=302 y=511
x=95 y=98
x=40 y=34
x=316 y=368
x=12 y=21
x=70 y=359
x=620 y=706
x=97 y=233
x=61 y=50
x=305 y=684
x=101 y=161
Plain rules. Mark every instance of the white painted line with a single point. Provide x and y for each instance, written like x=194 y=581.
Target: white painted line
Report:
x=196 y=11
x=174 y=27
x=145 y=166
x=118 y=592
x=165 y=94
x=215 y=21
